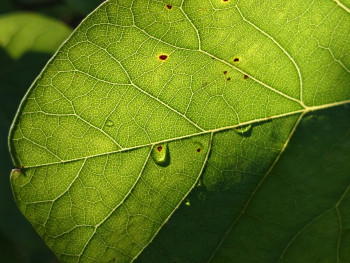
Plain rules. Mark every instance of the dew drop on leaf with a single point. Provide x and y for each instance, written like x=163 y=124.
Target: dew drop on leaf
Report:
x=243 y=129
x=109 y=123
x=160 y=154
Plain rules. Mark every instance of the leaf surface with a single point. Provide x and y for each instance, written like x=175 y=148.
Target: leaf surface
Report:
x=148 y=101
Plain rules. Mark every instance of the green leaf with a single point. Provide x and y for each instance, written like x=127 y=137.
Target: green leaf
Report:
x=19 y=243
x=24 y=32
x=147 y=102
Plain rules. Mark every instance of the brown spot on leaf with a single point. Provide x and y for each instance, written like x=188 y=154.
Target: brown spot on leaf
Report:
x=198 y=150
x=246 y=77
x=159 y=148
x=163 y=57
x=225 y=72
x=169 y=6
x=228 y=78
x=236 y=60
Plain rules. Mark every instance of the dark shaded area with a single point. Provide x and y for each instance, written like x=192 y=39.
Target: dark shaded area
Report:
x=71 y=12
x=310 y=177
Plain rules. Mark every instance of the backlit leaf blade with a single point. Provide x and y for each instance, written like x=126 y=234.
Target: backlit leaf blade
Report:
x=211 y=83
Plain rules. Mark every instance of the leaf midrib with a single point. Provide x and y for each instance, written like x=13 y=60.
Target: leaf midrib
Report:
x=302 y=111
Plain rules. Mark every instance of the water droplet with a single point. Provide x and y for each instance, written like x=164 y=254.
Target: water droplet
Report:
x=243 y=129
x=160 y=154
x=109 y=123
x=188 y=203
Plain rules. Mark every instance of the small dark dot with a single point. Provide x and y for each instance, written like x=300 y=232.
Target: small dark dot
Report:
x=199 y=150
x=225 y=0
x=30 y=215
x=246 y=77
x=236 y=60
x=163 y=57
x=228 y=78
x=169 y=6
x=225 y=72
x=159 y=148
x=213 y=58
x=113 y=259
x=22 y=167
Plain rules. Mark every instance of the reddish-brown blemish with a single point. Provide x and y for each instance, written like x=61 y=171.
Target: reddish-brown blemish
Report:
x=246 y=77
x=225 y=72
x=159 y=148
x=228 y=78
x=225 y=0
x=236 y=60
x=21 y=167
x=169 y=6
x=163 y=57
x=198 y=150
